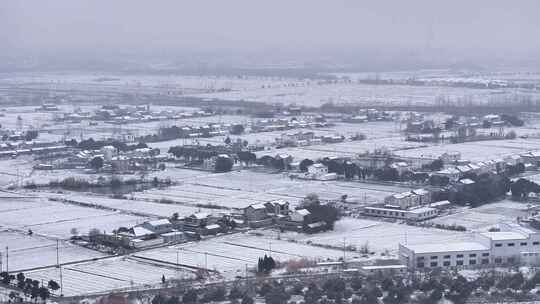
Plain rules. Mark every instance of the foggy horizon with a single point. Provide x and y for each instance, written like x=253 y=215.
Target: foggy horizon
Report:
x=444 y=33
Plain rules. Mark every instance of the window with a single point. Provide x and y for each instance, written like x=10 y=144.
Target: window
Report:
x=446 y=256
x=420 y=258
x=472 y=255
x=510 y=260
x=472 y=262
x=498 y=245
x=433 y=264
x=498 y=260
x=485 y=261
x=485 y=254
x=402 y=213
x=446 y=263
x=420 y=265
x=536 y=243
x=523 y=244
x=510 y=244
x=434 y=257
x=459 y=263
x=459 y=255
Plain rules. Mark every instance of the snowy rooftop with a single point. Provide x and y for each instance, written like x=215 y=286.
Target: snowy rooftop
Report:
x=504 y=236
x=303 y=212
x=159 y=222
x=421 y=210
x=446 y=247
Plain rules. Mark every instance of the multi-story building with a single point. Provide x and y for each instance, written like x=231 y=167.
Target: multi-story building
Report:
x=517 y=245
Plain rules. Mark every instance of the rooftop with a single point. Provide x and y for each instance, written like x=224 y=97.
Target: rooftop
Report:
x=504 y=236
x=446 y=247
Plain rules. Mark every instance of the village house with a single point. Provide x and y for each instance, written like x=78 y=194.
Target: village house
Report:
x=174 y=237
x=256 y=216
x=453 y=174
x=196 y=221
x=158 y=226
x=277 y=207
x=319 y=171
x=423 y=196
x=401 y=167
x=402 y=200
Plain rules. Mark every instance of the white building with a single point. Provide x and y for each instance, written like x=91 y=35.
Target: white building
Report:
x=417 y=214
x=320 y=172
x=518 y=245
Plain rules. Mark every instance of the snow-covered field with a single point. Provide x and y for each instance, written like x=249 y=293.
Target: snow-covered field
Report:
x=27 y=252
x=230 y=255
x=239 y=189
x=109 y=274
x=56 y=219
x=486 y=216
x=380 y=236
x=477 y=151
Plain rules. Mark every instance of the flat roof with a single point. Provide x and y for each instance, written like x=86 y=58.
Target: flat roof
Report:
x=421 y=210
x=399 y=266
x=446 y=247
x=504 y=236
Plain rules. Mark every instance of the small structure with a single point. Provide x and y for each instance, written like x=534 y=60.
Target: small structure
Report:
x=277 y=207
x=158 y=226
x=174 y=237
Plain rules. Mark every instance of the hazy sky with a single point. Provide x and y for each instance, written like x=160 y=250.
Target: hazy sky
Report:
x=246 y=25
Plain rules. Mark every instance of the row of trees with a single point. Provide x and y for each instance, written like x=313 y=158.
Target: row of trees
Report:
x=523 y=187
x=91 y=144
x=31 y=288
x=265 y=264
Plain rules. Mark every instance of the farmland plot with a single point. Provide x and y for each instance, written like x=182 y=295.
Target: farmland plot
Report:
x=230 y=255
x=109 y=274
x=379 y=236
x=57 y=219
x=484 y=217
x=27 y=252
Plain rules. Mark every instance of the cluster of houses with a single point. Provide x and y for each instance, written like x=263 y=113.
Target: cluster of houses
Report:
x=140 y=159
x=415 y=205
x=281 y=124
x=278 y=213
x=14 y=149
x=366 y=115
x=128 y=114
x=457 y=168
x=306 y=139
x=178 y=230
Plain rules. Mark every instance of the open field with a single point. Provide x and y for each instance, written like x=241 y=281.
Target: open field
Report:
x=27 y=252
x=56 y=219
x=378 y=235
x=230 y=255
x=477 y=151
x=108 y=274
x=238 y=189
x=484 y=217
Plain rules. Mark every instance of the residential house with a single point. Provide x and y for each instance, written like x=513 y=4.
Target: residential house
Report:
x=277 y=207
x=158 y=226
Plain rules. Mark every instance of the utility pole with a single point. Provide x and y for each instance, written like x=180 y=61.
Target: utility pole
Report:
x=7 y=259
x=61 y=282
x=206 y=261
x=344 y=248
x=57 y=255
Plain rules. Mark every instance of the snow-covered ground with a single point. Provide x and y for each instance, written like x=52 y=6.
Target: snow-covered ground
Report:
x=109 y=274
x=27 y=252
x=55 y=219
x=230 y=255
x=484 y=217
